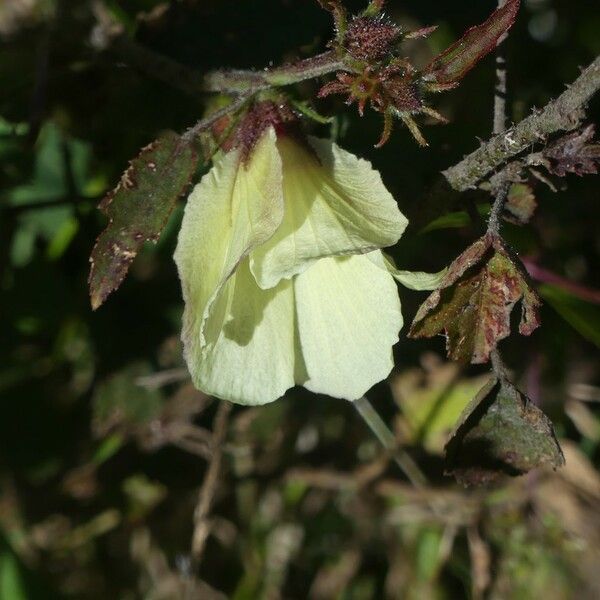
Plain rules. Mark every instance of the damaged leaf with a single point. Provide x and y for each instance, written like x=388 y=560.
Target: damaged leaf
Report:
x=138 y=209
x=501 y=432
x=473 y=306
x=449 y=67
x=574 y=153
x=520 y=203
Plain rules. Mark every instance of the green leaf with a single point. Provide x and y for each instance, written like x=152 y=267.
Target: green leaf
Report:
x=583 y=316
x=57 y=160
x=138 y=209
x=501 y=432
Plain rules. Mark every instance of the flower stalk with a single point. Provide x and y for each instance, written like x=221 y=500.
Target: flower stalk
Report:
x=388 y=440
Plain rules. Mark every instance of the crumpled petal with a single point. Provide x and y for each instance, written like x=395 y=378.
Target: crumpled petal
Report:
x=413 y=280
x=348 y=320
x=335 y=204
x=251 y=355
x=232 y=210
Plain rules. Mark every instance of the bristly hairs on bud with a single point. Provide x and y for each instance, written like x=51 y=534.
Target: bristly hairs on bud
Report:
x=269 y=110
x=339 y=14
x=374 y=8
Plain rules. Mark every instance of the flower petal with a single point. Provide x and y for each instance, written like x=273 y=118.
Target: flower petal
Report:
x=251 y=355
x=348 y=320
x=335 y=203
x=413 y=280
x=234 y=208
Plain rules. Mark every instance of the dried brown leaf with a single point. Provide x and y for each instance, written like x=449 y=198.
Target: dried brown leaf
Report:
x=574 y=153
x=473 y=306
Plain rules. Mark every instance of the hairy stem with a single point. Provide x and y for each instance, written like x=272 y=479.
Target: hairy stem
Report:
x=563 y=114
x=237 y=82
x=209 y=121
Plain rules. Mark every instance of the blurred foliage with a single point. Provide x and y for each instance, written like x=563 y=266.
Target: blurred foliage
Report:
x=104 y=443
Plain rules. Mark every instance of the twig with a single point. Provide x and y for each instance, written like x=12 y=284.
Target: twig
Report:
x=564 y=113
x=500 y=90
x=497 y=208
x=382 y=432
x=209 y=485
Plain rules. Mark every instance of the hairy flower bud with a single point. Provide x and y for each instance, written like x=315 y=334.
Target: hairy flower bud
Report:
x=370 y=39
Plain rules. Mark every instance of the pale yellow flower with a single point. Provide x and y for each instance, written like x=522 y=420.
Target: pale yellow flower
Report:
x=282 y=275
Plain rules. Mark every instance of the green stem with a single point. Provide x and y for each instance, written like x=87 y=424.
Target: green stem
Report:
x=383 y=433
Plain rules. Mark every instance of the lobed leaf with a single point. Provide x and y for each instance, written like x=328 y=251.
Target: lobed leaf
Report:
x=574 y=153
x=449 y=67
x=138 y=209
x=501 y=432
x=473 y=309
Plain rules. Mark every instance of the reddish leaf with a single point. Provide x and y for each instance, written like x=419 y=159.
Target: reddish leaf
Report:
x=473 y=308
x=138 y=209
x=449 y=67
x=501 y=433
x=573 y=153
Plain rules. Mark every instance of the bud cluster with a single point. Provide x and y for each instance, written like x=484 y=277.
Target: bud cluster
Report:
x=375 y=75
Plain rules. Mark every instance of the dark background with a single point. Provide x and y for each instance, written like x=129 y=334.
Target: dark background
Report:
x=96 y=502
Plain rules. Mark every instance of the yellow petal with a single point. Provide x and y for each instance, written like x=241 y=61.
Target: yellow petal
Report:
x=335 y=204
x=251 y=356
x=413 y=280
x=233 y=209
x=348 y=320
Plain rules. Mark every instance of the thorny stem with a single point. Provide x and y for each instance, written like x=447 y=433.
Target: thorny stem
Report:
x=388 y=440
